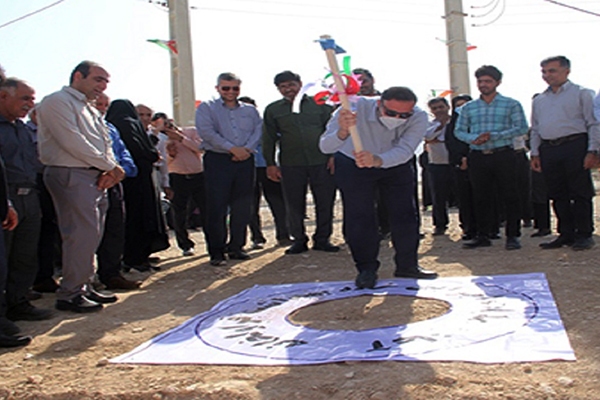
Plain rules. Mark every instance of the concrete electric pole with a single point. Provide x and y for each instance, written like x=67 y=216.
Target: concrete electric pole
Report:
x=182 y=65
x=457 y=47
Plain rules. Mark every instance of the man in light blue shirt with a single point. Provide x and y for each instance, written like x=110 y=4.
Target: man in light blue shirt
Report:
x=565 y=139
x=390 y=129
x=230 y=132
x=489 y=125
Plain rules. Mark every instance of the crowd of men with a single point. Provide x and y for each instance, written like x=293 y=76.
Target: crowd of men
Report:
x=83 y=184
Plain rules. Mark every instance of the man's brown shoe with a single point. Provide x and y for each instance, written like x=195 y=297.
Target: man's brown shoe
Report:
x=120 y=282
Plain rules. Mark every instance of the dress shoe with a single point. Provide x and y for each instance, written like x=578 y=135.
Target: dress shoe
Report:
x=79 y=304
x=119 y=282
x=468 y=236
x=13 y=341
x=480 y=241
x=527 y=223
x=366 y=280
x=327 y=247
x=144 y=267
x=188 y=252
x=8 y=327
x=512 y=243
x=439 y=232
x=100 y=298
x=33 y=295
x=583 y=244
x=297 y=248
x=541 y=233
x=417 y=273
x=238 y=255
x=218 y=261
x=154 y=260
x=257 y=246
x=557 y=243
x=285 y=242
x=46 y=286
x=494 y=236
x=27 y=312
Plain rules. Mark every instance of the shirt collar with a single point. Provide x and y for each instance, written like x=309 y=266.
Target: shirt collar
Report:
x=222 y=102
x=76 y=93
x=564 y=87
x=16 y=123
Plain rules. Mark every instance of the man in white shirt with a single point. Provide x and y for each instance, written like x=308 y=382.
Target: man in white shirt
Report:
x=75 y=146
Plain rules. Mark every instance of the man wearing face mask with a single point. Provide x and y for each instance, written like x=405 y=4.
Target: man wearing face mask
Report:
x=390 y=129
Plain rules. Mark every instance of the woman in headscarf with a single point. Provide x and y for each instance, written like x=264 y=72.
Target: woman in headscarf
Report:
x=145 y=231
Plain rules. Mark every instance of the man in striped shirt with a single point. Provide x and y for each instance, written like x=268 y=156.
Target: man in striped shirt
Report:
x=488 y=125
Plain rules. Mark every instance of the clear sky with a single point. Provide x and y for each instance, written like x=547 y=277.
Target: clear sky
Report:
x=256 y=39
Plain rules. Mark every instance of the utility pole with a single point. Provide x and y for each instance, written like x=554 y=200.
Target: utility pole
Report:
x=457 y=47
x=182 y=66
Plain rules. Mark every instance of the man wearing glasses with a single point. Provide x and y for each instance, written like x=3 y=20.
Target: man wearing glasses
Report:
x=230 y=132
x=390 y=129
x=489 y=125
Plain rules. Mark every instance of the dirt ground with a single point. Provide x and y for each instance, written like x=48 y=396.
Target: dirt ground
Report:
x=68 y=356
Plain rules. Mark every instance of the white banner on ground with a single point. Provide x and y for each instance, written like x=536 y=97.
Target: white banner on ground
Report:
x=492 y=319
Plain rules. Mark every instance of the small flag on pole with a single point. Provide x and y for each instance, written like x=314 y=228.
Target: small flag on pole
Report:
x=165 y=44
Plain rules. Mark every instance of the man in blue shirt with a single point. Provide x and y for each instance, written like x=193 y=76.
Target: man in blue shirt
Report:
x=230 y=132
x=18 y=151
x=488 y=125
x=390 y=129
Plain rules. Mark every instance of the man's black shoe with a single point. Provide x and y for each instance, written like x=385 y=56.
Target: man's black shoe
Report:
x=144 y=267
x=417 y=273
x=297 y=248
x=79 y=304
x=8 y=327
x=101 y=298
x=218 y=261
x=557 y=243
x=33 y=295
x=238 y=255
x=27 y=312
x=439 y=232
x=327 y=247
x=366 y=280
x=494 y=236
x=541 y=233
x=14 y=341
x=468 y=236
x=583 y=244
x=284 y=242
x=479 y=241
x=46 y=286
x=512 y=243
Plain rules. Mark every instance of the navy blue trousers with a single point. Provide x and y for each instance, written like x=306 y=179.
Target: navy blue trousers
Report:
x=396 y=187
x=229 y=186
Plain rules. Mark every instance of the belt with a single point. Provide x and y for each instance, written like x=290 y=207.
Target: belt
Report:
x=188 y=176
x=493 y=151
x=20 y=190
x=564 y=139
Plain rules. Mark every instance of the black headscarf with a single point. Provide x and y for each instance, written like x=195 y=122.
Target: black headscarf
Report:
x=124 y=117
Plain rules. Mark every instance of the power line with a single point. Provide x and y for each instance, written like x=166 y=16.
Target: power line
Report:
x=572 y=7
x=328 y=17
x=30 y=14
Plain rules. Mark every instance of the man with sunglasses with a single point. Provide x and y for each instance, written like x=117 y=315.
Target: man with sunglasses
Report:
x=390 y=129
x=230 y=131
x=489 y=125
